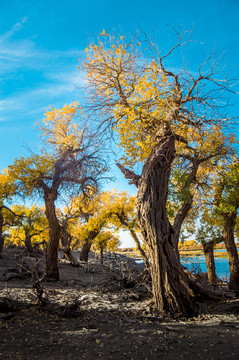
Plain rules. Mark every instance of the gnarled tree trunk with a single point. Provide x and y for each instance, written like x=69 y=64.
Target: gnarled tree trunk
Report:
x=52 y=272
x=228 y=238
x=169 y=282
x=210 y=262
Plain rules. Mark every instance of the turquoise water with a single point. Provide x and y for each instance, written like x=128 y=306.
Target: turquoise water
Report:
x=198 y=263
x=223 y=250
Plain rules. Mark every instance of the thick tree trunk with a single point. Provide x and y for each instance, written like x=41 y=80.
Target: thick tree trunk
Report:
x=210 y=262
x=1 y=233
x=52 y=272
x=84 y=254
x=228 y=238
x=169 y=282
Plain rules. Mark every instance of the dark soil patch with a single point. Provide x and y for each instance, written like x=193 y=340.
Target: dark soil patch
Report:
x=91 y=314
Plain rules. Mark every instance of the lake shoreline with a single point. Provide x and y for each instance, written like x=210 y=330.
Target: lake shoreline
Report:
x=189 y=252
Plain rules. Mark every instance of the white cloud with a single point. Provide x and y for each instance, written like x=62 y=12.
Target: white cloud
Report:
x=22 y=54
x=16 y=27
x=56 y=75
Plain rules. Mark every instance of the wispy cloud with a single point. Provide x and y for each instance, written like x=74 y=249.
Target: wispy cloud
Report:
x=56 y=75
x=16 y=27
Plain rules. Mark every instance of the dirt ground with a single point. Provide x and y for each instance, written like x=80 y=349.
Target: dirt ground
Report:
x=98 y=311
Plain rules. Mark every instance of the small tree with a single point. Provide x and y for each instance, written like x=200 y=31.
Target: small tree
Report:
x=68 y=164
x=106 y=240
x=31 y=228
x=123 y=216
x=107 y=209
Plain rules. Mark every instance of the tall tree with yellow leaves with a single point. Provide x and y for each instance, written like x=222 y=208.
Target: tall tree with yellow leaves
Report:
x=68 y=163
x=154 y=111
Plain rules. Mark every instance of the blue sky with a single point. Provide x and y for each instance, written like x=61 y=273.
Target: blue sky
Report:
x=41 y=42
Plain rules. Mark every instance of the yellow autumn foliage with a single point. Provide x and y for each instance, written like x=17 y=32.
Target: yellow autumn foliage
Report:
x=59 y=128
x=137 y=93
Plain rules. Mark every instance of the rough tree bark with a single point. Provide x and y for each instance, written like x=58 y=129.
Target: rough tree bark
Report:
x=169 y=282
x=52 y=272
x=228 y=238
x=210 y=262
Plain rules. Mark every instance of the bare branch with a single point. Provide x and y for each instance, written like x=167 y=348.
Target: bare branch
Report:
x=129 y=174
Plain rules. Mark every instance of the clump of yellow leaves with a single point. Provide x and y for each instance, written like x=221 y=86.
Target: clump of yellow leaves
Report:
x=30 y=171
x=59 y=129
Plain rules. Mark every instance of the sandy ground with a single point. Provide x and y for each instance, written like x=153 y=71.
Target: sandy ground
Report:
x=99 y=311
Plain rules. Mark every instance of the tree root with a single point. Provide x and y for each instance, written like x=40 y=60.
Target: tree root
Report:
x=206 y=292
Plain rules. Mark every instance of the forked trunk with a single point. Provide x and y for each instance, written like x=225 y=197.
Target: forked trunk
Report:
x=52 y=272
x=228 y=238
x=210 y=262
x=169 y=282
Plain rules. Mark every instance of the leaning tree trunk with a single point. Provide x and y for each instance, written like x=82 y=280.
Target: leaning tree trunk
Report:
x=210 y=262
x=169 y=282
x=140 y=249
x=52 y=272
x=228 y=238
x=124 y=222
